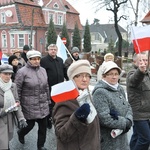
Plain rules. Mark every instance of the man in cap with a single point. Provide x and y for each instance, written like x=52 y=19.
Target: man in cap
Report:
x=75 y=57
x=25 y=50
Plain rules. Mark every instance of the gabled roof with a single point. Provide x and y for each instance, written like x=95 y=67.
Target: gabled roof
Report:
x=27 y=2
x=106 y=30
x=146 y=19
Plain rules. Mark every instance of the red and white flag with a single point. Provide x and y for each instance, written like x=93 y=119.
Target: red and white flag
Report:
x=141 y=38
x=64 y=91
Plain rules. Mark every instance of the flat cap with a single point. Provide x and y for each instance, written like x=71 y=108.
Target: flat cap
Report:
x=6 y=68
x=33 y=53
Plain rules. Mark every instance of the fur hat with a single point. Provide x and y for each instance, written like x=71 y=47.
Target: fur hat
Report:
x=107 y=66
x=78 y=67
x=6 y=68
x=11 y=58
x=33 y=53
x=109 y=55
x=26 y=47
x=74 y=50
x=16 y=51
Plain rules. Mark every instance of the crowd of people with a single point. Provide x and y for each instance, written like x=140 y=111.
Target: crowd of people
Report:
x=94 y=120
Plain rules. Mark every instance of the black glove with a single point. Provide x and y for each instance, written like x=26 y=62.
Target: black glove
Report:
x=82 y=112
x=114 y=114
x=3 y=113
x=128 y=125
x=22 y=124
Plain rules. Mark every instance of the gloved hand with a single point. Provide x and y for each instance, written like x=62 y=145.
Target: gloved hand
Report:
x=3 y=113
x=128 y=125
x=114 y=114
x=82 y=112
x=22 y=124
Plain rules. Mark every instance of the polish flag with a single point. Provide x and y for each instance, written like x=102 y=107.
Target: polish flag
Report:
x=61 y=49
x=141 y=38
x=64 y=91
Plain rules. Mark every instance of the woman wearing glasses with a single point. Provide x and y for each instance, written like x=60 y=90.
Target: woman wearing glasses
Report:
x=114 y=111
x=76 y=122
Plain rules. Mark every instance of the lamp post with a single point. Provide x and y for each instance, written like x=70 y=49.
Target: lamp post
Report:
x=31 y=28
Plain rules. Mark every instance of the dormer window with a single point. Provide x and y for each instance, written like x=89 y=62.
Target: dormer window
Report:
x=56 y=5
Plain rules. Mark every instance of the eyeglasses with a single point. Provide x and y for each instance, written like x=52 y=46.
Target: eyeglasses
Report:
x=53 y=49
x=112 y=74
x=82 y=76
x=34 y=59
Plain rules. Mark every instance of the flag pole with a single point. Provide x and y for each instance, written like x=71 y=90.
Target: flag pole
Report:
x=69 y=53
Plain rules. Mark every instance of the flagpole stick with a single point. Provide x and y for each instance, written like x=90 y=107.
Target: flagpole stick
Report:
x=148 y=59
x=69 y=53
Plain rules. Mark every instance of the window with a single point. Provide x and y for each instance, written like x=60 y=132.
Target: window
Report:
x=4 y=40
x=60 y=20
x=3 y=17
x=20 y=40
x=12 y=40
x=56 y=5
x=51 y=16
x=29 y=38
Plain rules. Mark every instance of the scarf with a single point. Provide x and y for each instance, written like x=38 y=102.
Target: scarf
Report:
x=113 y=86
x=9 y=99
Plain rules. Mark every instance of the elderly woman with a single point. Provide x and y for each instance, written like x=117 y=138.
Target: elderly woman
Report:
x=76 y=121
x=34 y=96
x=10 y=110
x=113 y=109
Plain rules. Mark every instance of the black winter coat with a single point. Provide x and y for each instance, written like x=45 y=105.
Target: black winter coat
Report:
x=56 y=70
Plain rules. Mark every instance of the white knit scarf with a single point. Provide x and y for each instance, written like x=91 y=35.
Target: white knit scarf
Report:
x=9 y=99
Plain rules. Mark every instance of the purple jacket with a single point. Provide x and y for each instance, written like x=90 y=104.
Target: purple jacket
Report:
x=33 y=91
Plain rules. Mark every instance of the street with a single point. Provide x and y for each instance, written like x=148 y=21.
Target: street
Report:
x=31 y=140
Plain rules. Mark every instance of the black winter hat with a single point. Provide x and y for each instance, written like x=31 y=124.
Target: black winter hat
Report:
x=11 y=58
x=26 y=47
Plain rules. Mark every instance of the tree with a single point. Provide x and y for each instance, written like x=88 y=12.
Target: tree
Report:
x=76 y=37
x=113 y=6
x=65 y=34
x=51 y=35
x=87 y=38
x=125 y=44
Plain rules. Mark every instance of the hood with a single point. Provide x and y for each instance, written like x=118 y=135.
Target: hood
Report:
x=103 y=85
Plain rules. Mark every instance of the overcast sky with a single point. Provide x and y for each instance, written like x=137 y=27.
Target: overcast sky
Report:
x=87 y=11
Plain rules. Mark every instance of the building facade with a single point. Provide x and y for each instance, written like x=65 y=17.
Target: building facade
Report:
x=26 y=22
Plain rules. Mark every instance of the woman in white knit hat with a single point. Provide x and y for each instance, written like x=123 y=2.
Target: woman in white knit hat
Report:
x=107 y=57
x=76 y=122
x=113 y=109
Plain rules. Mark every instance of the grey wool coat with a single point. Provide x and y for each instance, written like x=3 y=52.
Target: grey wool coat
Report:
x=71 y=133
x=7 y=122
x=33 y=91
x=105 y=98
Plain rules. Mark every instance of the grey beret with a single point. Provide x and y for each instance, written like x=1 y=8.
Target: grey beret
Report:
x=6 y=68
x=74 y=50
x=33 y=53
x=107 y=66
x=77 y=67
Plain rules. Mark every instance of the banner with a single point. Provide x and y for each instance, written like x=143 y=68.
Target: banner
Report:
x=61 y=49
x=64 y=91
x=141 y=38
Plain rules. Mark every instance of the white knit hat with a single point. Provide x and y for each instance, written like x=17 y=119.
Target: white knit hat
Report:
x=107 y=66
x=33 y=53
x=77 y=67
x=109 y=55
